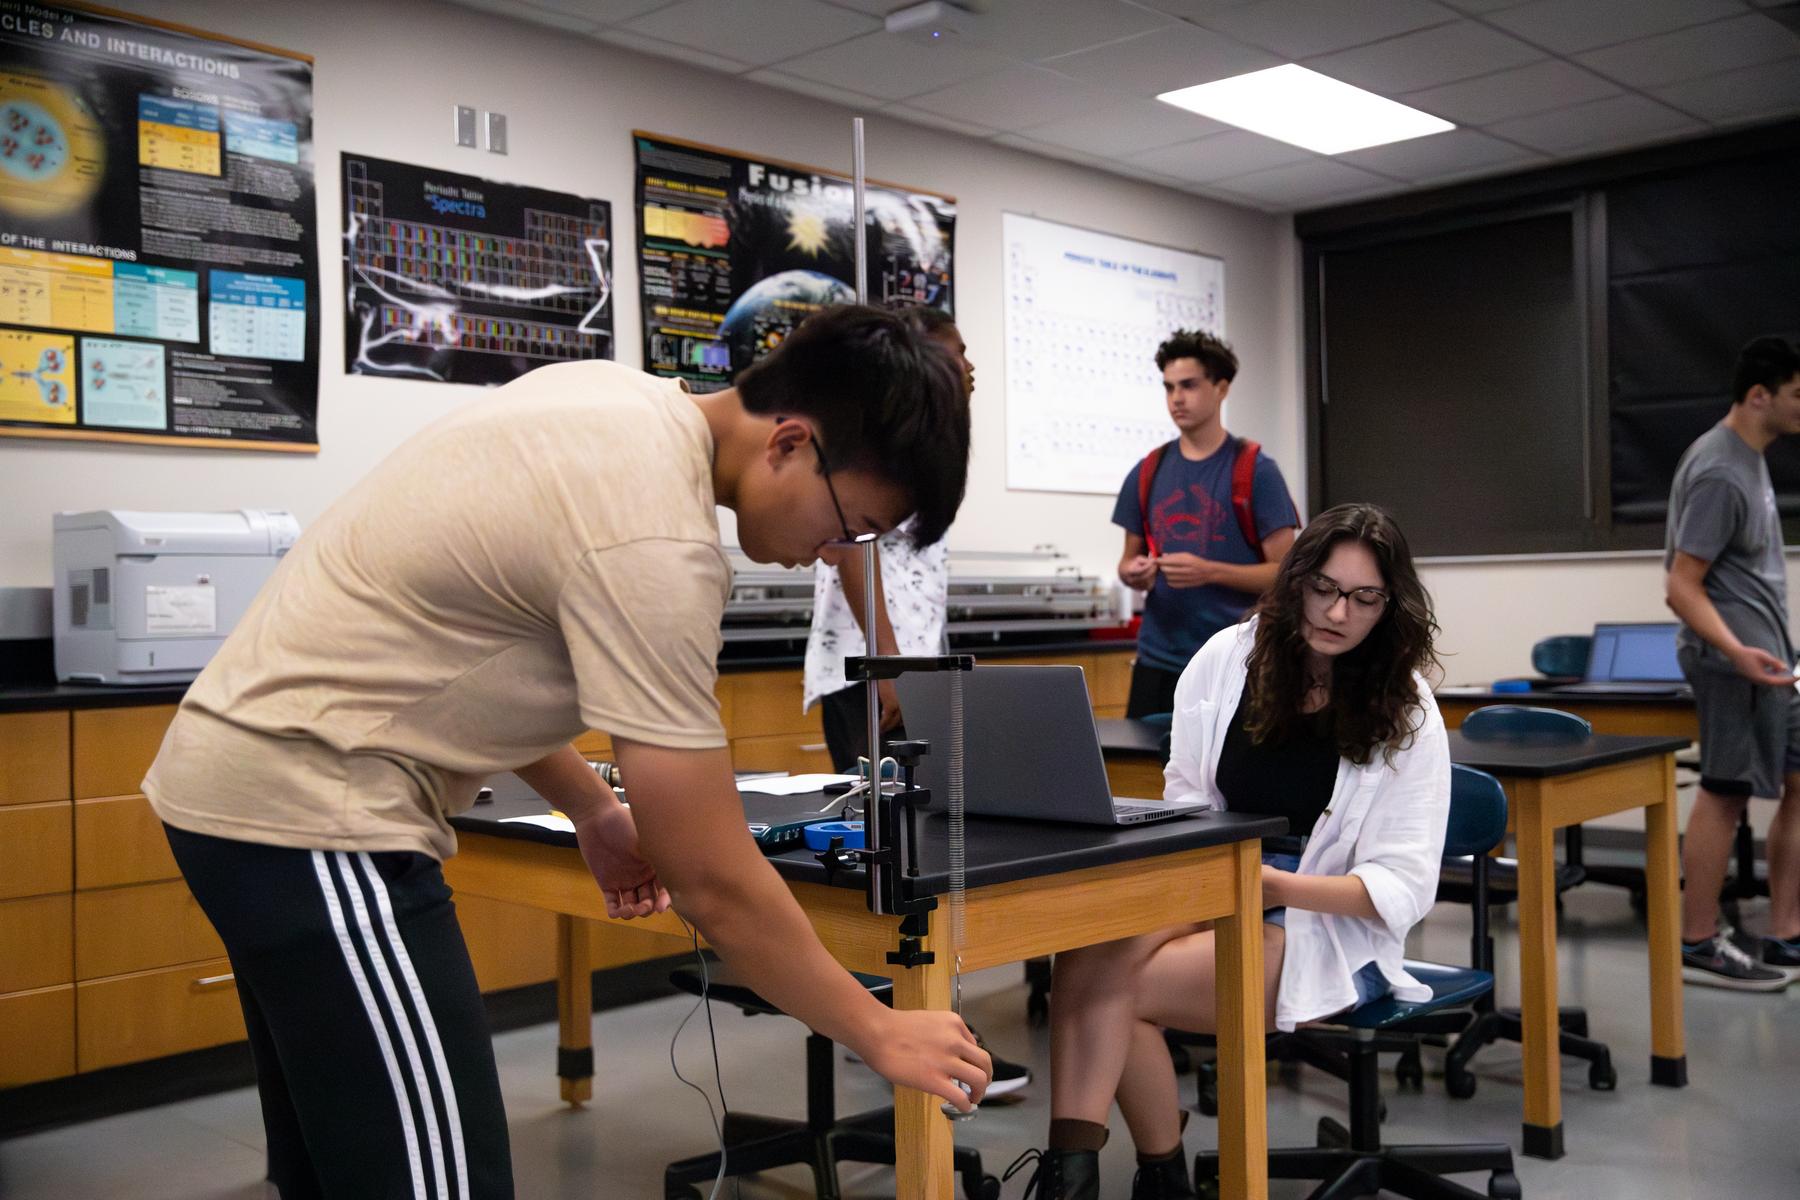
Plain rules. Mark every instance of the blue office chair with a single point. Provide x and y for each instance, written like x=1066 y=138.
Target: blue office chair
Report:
x=1352 y=1161
x=1562 y=657
x=1511 y=723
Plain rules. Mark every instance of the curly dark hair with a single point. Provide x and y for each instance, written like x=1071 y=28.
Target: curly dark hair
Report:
x=1215 y=355
x=1375 y=702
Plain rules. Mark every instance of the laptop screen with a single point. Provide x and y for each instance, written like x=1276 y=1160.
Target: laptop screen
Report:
x=1634 y=653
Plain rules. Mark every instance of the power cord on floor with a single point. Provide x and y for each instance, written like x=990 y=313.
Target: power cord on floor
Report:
x=724 y=1113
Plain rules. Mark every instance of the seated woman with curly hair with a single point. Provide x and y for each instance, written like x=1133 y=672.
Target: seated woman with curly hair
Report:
x=1314 y=709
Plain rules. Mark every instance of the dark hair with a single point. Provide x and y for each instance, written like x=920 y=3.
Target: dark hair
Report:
x=927 y=319
x=1375 y=702
x=1768 y=361
x=882 y=398
x=1215 y=355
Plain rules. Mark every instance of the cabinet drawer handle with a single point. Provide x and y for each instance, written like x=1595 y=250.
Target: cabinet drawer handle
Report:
x=213 y=981
x=815 y=747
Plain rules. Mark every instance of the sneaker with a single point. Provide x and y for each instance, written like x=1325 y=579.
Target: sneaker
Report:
x=1008 y=1077
x=1781 y=952
x=1718 y=962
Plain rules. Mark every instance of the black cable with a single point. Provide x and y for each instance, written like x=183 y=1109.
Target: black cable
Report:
x=718 y=1079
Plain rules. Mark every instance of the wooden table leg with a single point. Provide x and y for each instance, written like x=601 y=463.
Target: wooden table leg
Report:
x=1243 y=1100
x=574 y=1010
x=1537 y=970
x=922 y=1134
x=1668 y=1044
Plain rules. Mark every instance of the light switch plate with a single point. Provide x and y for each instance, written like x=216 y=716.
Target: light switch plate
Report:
x=496 y=133
x=464 y=125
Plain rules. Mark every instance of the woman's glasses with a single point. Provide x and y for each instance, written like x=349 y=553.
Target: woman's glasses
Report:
x=1322 y=592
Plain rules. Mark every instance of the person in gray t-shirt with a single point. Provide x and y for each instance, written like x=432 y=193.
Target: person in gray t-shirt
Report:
x=1727 y=581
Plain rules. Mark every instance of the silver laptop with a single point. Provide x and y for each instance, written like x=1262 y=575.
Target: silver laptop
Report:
x=1031 y=748
x=1631 y=658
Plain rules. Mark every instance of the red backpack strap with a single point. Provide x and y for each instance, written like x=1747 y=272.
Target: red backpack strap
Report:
x=1243 y=499
x=1147 y=476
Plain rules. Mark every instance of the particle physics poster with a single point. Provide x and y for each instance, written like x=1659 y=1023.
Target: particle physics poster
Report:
x=734 y=251
x=158 y=257
x=455 y=279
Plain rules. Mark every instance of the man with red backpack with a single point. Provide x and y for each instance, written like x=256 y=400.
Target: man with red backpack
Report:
x=1207 y=519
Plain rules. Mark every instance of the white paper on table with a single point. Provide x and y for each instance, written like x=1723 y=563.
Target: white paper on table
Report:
x=792 y=785
x=550 y=821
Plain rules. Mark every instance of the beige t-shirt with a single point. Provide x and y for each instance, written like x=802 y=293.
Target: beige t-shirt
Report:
x=543 y=561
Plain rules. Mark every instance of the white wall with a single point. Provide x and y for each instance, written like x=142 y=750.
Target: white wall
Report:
x=386 y=76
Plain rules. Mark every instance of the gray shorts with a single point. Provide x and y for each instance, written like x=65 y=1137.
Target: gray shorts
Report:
x=1749 y=732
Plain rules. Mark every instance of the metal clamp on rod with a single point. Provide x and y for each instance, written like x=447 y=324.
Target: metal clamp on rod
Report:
x=861 y=668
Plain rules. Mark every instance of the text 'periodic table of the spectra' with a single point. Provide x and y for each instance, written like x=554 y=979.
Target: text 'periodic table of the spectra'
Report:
x=1085 y=312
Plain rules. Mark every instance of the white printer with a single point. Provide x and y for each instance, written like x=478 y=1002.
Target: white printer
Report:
x=148 y=597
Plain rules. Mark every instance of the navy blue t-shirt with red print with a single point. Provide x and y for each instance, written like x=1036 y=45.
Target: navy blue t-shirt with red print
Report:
x=1190 y=513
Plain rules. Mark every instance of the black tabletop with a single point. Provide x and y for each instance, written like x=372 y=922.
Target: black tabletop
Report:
x=1130 y=739
x=39 y=697
x=1537 y=758
x=997 y=851
x=1539 y=696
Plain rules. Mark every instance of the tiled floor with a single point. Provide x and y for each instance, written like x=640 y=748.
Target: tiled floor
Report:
x=1734 y=1132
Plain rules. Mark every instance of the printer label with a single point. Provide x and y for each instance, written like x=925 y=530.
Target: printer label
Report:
x=178 y=610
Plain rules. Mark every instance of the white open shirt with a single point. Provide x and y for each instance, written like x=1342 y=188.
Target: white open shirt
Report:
x=1385 y=824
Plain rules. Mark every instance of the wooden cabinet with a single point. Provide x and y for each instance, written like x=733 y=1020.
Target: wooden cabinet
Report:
x=36 y=849
x=124 y=929
x=149 y=1014
x=114 y=747
x=37 y=1035
x=797 y=753
x=36 y=935
x=34 y=757
x=119 y=841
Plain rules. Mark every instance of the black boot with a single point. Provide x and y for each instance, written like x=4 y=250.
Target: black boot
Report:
x=1060 y=1174
x=1165 y=1179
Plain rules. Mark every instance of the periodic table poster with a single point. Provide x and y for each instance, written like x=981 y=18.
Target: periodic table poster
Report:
x=734 y=251
x=159 y=267
x=456 y=279
x=1084 y=313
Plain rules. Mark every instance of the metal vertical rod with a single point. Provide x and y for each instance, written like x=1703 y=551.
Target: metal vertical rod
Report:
x=876 y=809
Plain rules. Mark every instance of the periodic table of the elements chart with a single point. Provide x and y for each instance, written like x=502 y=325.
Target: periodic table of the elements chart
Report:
x=1085 y=312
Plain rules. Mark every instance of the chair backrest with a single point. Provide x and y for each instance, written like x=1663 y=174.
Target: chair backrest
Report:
x=1477 y=812
x=1513 y=722
x=1164 y=725
x=1565 y=654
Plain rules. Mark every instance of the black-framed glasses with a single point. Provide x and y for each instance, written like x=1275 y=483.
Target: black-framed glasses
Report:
x=1323 y=591
x=849 y=539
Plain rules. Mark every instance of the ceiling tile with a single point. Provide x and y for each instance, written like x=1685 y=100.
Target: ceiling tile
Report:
x=1190 y=10
x=1483 y=6
x=601 y=12
x=531 y=12
x=760 y=33
x=1534 y=89
x=1219 y=157
x=919 y=116
x=1746 y=41
x=1459 y=152
x=1302 y=185
x=1046 y=150
x=1012 y=99
x=1567 y=26
x=1151 y=63
x=1303 y=28
x=1766 y=91
x=875 y=8
x=1427 y=58
x=1618 y=121
x=661 y=49
x=818 y=91
x=882 y=64
x=1125 y=128
x=1039 y=29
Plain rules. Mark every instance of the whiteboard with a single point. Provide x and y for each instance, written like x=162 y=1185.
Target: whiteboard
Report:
x=1085 y=312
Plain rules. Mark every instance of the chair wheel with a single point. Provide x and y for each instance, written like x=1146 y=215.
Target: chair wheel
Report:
x=990 y=1188
x=1037 y=1011
x=1577 y=1024
x=1332 y=1135
x=1504 y=1185
x=1458 y=1082
x=1602 y=1077
x=1640 y=902
x=1409 y=1071
x=1207 y=1102
x=1206 y=1189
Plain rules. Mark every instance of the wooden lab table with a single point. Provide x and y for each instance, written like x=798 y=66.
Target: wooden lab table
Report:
x=1033 y=889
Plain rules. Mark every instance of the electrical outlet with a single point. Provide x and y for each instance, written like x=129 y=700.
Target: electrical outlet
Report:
x=464 y=125
x=496 y=133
